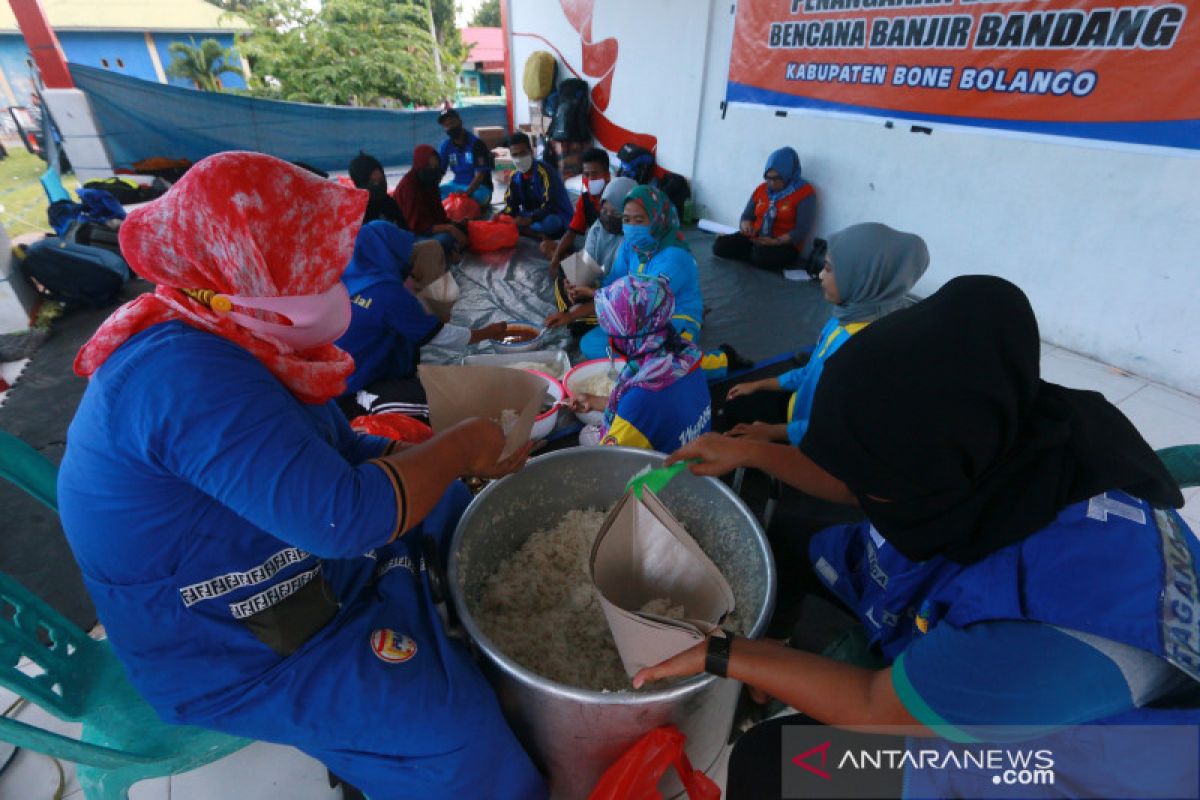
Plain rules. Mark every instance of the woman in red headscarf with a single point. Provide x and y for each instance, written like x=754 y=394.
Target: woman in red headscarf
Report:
x=421 y=201
x=259 y=567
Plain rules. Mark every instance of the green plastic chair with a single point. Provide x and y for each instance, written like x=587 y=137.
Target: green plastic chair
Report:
x=1183 y=462
x=79 y=679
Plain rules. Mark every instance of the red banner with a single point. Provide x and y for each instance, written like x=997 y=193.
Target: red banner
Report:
x=1123 y=72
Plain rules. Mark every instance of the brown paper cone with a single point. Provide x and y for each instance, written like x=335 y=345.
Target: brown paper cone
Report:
x=642 y=553
x=456 y=393
x=581 y=269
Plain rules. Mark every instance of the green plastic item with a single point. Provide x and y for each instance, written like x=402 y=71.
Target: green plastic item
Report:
x=79 y=679
x=689 y=212
x=1183 y=462
x=657 y=479
x=20 y=464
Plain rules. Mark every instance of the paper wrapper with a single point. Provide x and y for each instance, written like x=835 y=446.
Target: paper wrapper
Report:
x=642 y=553
x=456 y=393
x=439 y=297
x=581 y=269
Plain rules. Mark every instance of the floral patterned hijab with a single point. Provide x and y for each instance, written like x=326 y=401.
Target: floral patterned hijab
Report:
x=233 y=225
x=636 y=314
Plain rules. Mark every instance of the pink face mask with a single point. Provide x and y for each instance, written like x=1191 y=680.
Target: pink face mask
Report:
x=316 y=319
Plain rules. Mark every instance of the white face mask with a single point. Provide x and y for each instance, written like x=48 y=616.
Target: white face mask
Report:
x=523 y=163
x=596 y=186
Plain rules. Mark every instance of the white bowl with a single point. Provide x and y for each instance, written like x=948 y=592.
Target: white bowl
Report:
x=543 y=424
x=521 y=347
x=582 y=372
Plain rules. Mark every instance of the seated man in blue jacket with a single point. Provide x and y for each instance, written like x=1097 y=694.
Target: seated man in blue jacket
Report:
x=536 y=198
x=468 y=159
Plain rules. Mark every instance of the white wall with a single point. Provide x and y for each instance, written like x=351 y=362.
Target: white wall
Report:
x=1105 y=242
x=660 y=68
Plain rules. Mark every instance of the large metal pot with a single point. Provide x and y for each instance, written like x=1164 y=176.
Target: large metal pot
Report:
x=575 y=734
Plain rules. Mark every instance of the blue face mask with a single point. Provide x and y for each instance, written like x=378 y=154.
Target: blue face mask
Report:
x=639 y=236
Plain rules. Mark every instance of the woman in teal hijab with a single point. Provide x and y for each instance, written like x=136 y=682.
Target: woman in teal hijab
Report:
x=653 y=245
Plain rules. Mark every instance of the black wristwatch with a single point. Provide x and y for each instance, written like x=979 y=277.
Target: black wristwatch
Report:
x=716 y=659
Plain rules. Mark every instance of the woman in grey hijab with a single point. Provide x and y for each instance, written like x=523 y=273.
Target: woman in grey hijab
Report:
x=869 y=270
x=600 y=247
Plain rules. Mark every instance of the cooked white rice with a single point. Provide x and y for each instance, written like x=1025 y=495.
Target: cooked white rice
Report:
x=541 y=608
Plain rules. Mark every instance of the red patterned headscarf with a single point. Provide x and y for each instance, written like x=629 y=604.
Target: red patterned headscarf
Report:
x=239 y=224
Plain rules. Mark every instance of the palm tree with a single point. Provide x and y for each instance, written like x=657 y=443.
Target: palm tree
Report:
x=202 y=64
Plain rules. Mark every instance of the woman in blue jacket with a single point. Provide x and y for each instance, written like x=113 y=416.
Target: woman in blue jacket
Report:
x=1020 y=566
x=653 y=245
x=388 y=324
x=869 y=270
x=258 y=566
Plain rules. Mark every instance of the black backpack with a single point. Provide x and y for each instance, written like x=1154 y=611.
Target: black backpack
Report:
x=74 y=274
x=572 y=121
x=635 y=162
x=676 y=188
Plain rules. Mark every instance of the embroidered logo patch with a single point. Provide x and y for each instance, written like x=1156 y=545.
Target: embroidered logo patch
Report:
x=391 y=647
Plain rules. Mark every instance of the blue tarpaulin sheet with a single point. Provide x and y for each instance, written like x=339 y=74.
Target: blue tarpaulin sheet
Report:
x=140 y=119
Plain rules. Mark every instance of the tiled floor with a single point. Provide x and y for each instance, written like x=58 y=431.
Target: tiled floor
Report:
x=269 y=772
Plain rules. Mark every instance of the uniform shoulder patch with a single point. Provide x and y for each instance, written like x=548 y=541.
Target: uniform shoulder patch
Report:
x=391 y=647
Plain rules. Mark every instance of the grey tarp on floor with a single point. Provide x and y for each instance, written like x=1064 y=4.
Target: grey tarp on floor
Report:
x=759 y=313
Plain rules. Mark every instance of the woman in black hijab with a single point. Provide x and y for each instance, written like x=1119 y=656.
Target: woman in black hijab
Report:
x=1019 y=539
x=367 y=173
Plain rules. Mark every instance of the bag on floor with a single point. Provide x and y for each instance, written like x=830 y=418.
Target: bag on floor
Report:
x=676 y=188
x=125 y=191
x=635 y=162
x=538 y=80
x=492 y=234
x=393 y=425
x=461 y=207
x=636 y=774
x=74 y=274
x=572 y=117
x=94 y=235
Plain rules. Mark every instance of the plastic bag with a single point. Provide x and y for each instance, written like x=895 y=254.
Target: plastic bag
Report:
x=461 y=207
x=493 y=234
x=635 y=775
x=394 y=426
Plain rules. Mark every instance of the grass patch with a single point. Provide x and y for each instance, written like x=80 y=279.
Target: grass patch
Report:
x=22 y=200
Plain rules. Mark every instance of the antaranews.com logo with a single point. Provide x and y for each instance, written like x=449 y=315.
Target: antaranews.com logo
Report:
x=1001 y=762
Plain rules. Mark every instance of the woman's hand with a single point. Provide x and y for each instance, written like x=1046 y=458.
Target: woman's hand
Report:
x=508 y=466
x=581 y=293
x=689 y=662
x=747 y=227
x=582 y=403
x=743 y=390
x=717 y=454
x=522 y=222
x=759 y=432
x=558 y=319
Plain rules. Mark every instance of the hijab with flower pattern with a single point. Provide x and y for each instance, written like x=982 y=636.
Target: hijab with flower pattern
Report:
x=232 y=225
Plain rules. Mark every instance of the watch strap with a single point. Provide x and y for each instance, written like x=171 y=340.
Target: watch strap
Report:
x=716 y=658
